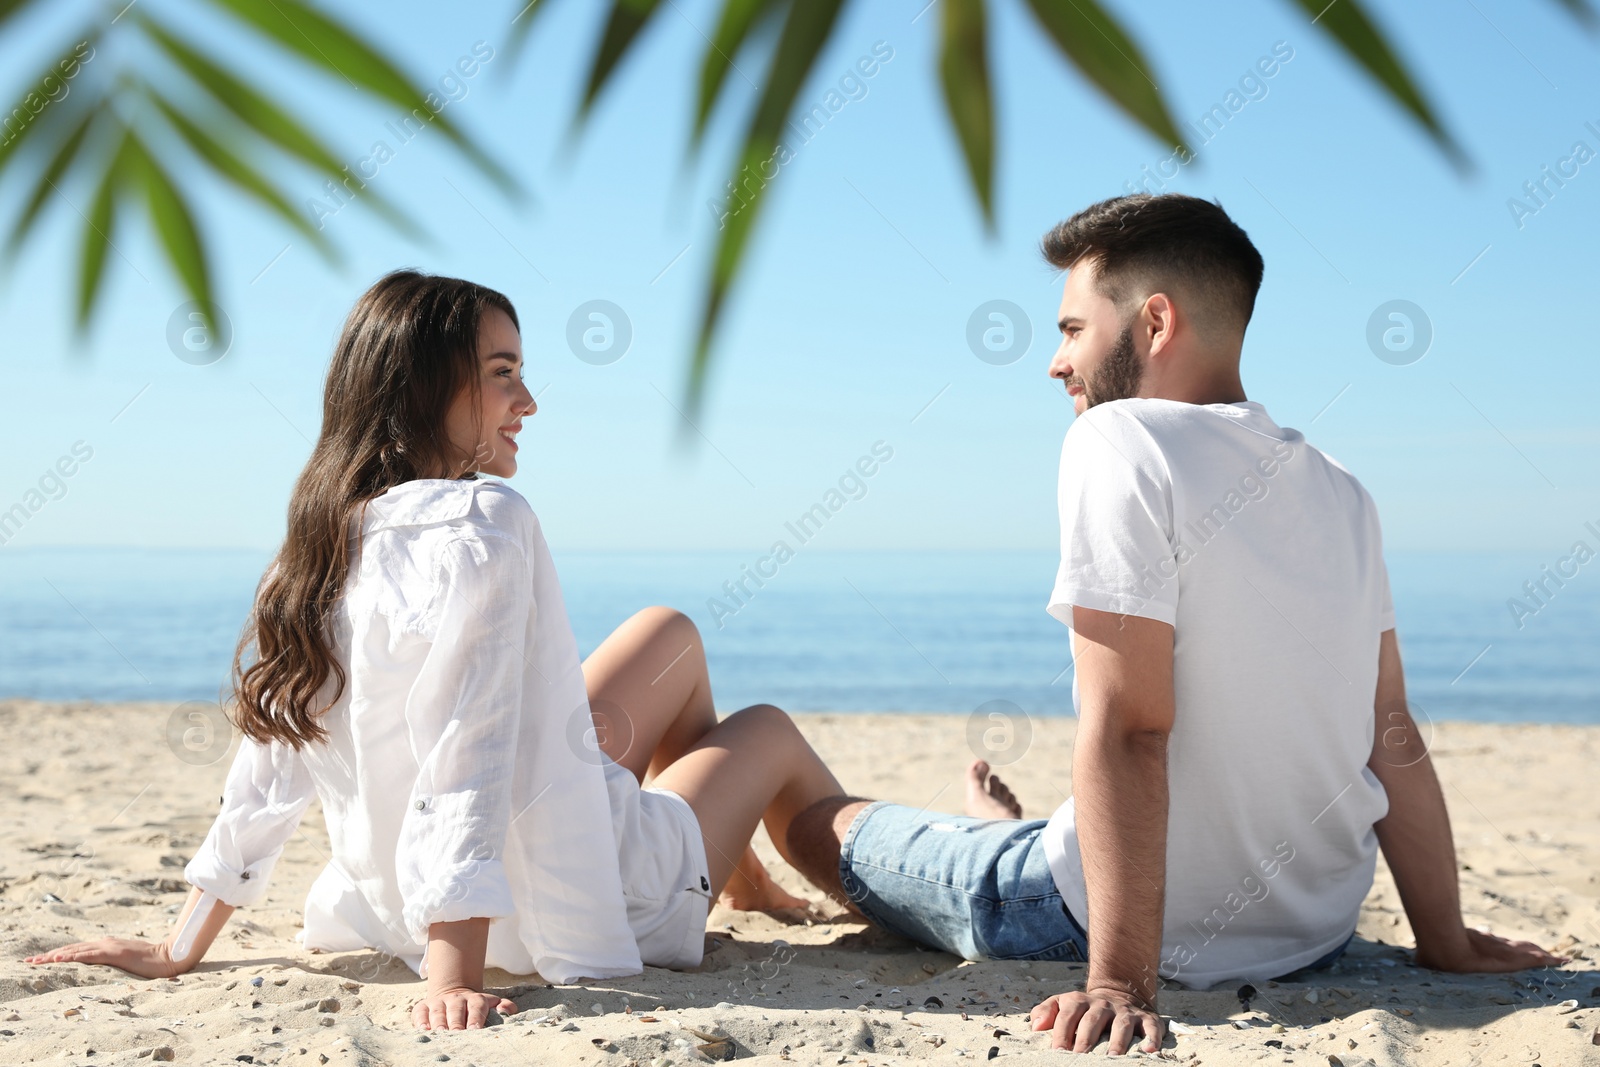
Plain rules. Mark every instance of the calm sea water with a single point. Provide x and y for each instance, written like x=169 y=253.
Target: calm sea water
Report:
x=867 y=631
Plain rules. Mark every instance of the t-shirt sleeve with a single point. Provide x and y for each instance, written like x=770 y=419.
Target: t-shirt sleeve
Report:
x=1386 y=620
x=463 y=715
x=1115 y=502
x=267 y=791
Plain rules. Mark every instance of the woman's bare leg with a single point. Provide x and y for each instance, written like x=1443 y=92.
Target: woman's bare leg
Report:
x=754 y=766
x=650 y=696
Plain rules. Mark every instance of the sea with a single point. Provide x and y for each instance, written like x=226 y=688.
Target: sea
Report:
x=879 y=631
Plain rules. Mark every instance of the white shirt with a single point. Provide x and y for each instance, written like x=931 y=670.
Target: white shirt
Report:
x=457 y=781
x=1266 y=557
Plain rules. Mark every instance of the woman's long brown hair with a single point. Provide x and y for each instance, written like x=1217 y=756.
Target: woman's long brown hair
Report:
x=409 y=346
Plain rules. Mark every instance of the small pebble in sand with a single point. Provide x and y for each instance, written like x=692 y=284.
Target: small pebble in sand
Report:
x=328 y=1004
x=163 y=1052
x=1567 y=1007
x=258 y=981
x=569 y=1028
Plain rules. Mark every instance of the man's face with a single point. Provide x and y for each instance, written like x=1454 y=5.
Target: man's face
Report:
x=1096 y=360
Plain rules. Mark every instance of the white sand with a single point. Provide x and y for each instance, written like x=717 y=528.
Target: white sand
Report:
x=100 y=814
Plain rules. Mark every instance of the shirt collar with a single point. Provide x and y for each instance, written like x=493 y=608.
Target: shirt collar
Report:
x=421 y=502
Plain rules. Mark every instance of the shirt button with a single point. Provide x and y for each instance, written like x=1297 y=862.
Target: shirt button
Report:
x=421 y=804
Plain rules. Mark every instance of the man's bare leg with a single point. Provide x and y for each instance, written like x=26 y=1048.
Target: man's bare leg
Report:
x=816 y=835
x=814 y=839
x=650 y=696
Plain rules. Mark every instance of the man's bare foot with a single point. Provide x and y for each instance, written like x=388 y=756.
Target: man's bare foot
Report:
x=987 y=796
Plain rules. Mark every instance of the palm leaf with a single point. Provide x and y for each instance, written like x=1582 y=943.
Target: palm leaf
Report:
x=1349 y=25
x=97 y=230
x=738 y=18
x=964 y=74
x=1095 y=44
x=302 y=29
x=11 y=7
x=227 y=164
x=1580 y=10
x=50 y=178
x=11 y=142
x=174 y=224
x=270 y=121
x=528 y=12
x=805 y=30
x=626 y=19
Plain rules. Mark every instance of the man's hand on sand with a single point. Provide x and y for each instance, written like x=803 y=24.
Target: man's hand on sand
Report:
x=147 y=959
x=1076 y=1020
x=1484 y=952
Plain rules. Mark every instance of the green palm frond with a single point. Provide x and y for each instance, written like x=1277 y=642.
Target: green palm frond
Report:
x=174 y=225
x=964 y=75
x=623 y=25
x=738 y=19
x=1101 y=50
x=111 y=130
x=1349 y=25
x=98 y=227
x=211 y=146
x=805 y=31
x=50 y=178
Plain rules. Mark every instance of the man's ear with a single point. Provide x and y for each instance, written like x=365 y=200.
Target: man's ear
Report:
x=1158 y=320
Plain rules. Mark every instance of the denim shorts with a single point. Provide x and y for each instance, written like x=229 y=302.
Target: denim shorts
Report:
x=978 y=888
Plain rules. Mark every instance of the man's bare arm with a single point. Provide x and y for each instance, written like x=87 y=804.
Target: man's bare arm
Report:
x=1119 y=788
x=1417 y=843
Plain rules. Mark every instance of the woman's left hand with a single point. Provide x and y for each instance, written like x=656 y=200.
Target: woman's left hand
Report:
x=460 y=1008
x=146 y=959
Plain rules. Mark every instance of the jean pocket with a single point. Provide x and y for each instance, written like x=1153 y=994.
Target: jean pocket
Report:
x=1035 y=929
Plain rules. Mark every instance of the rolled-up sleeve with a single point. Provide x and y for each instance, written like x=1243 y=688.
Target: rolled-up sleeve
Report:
x=267 y=791
x=463 y=714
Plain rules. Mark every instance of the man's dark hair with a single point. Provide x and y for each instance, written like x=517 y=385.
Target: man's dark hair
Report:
x=1144 y=243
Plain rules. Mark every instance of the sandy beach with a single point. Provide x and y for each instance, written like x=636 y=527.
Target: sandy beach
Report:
x=101 y=816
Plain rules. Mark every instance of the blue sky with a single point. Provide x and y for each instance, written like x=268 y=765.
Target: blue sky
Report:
x=852 y=313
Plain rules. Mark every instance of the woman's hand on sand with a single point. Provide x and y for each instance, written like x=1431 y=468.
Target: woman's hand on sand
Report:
x=1483 y=952
x=1076 y=1021
x=147 y=959
x=458 y=1009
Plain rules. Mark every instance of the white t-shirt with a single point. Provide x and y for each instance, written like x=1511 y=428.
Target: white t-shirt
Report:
x=1266 y=557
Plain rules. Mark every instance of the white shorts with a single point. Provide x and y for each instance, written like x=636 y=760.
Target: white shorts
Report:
x=665 y=881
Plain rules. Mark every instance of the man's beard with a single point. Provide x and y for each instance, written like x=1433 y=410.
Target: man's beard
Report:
x=1118 y=377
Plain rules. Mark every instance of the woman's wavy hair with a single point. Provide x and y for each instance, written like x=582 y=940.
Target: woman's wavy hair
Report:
x=407 y=350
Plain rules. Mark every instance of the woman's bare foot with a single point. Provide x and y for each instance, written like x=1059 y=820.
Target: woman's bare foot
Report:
x=751 y=888
x=987 y=796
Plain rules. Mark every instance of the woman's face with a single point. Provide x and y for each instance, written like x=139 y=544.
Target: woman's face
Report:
x=488 y=430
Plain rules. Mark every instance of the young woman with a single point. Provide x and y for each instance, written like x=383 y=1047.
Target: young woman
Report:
x=411 y=665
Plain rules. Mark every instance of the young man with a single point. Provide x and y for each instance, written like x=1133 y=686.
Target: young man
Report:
x=1244 y=745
